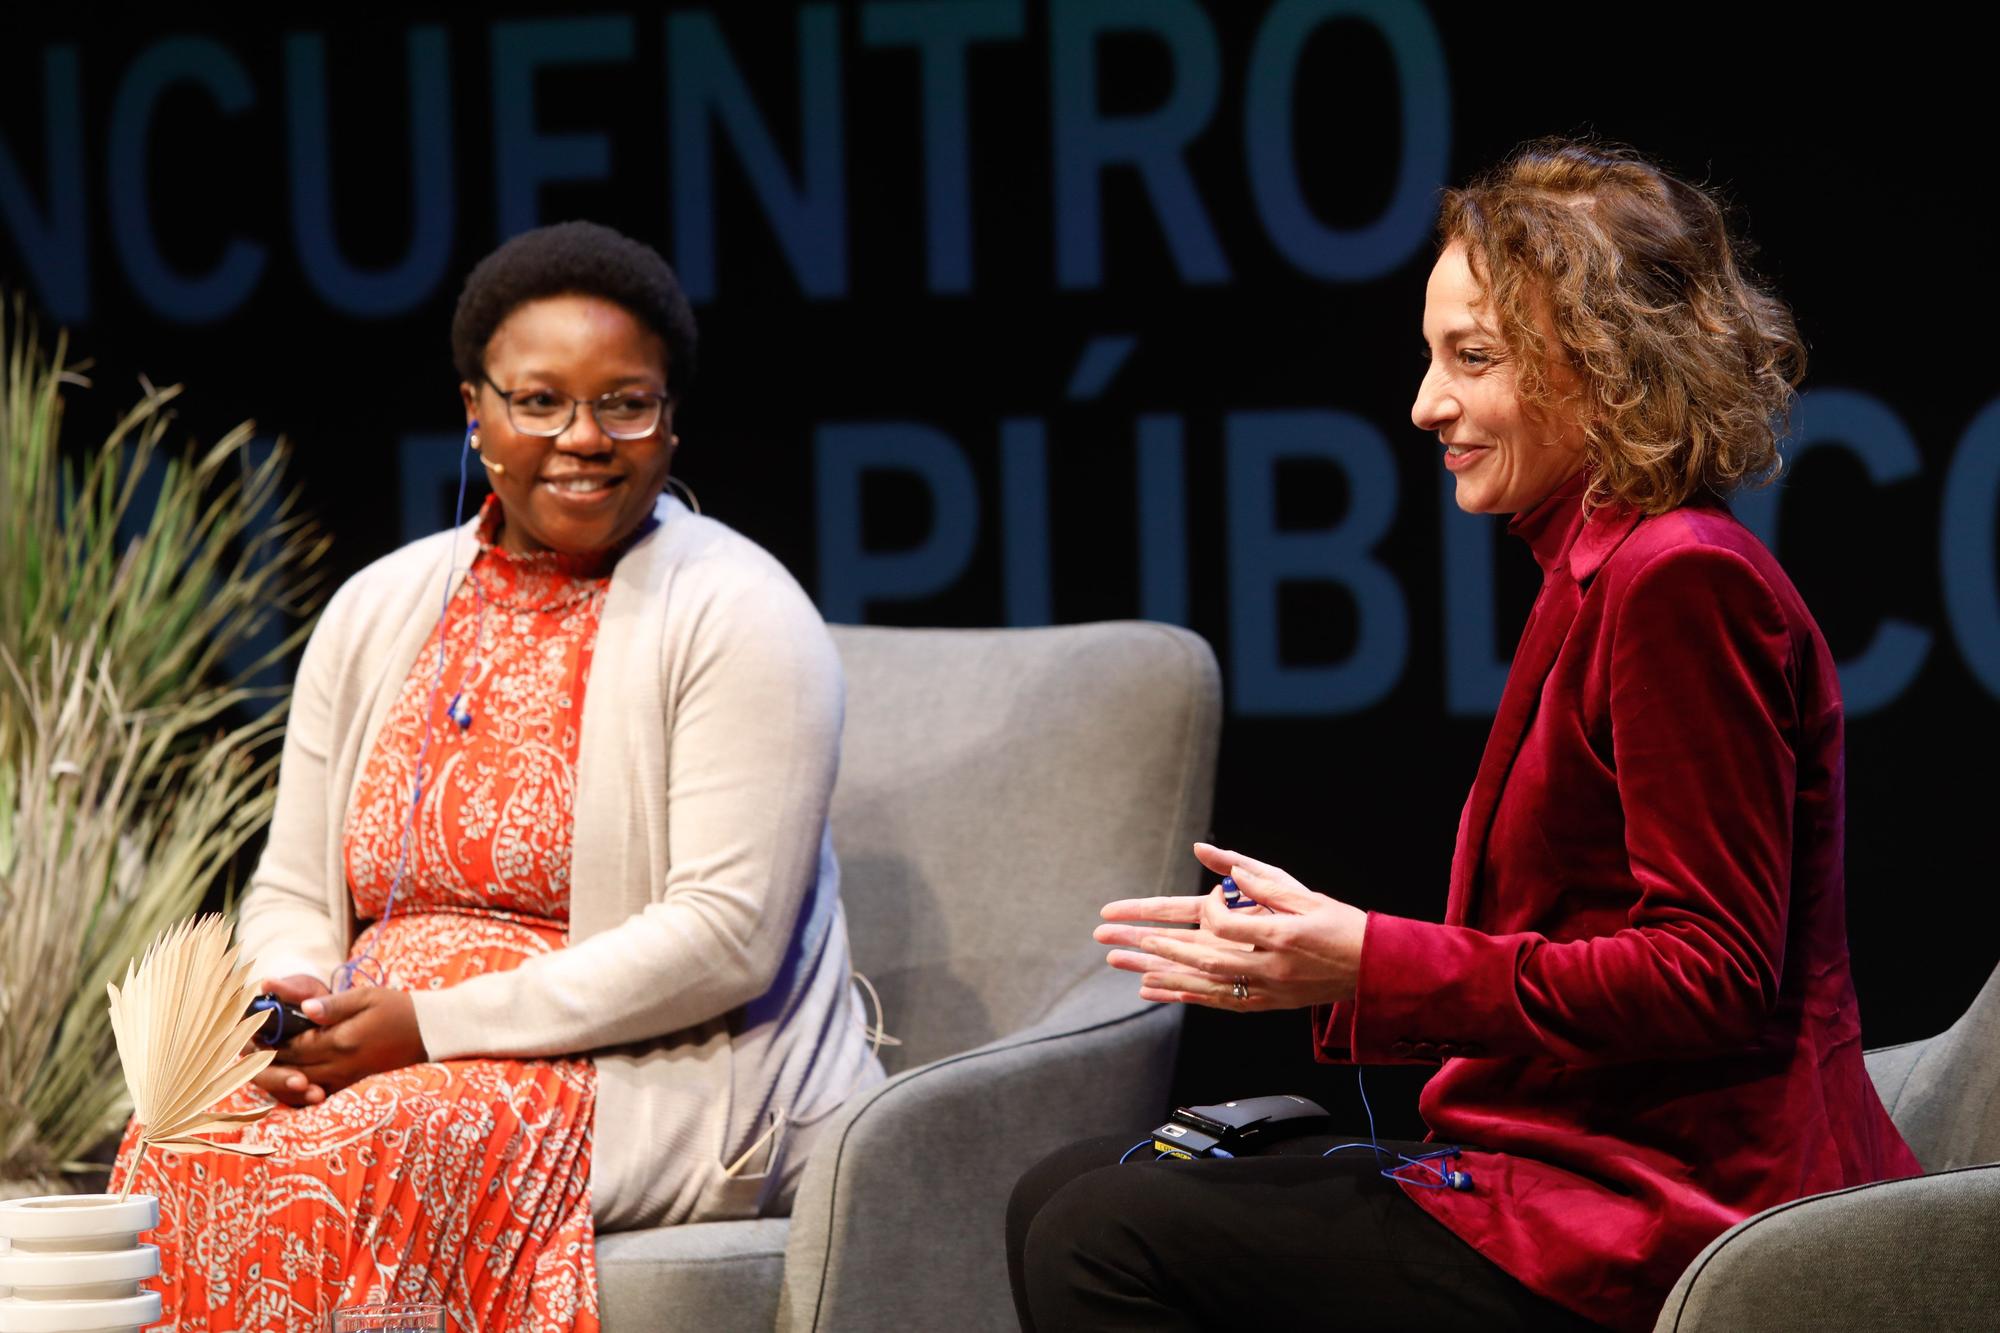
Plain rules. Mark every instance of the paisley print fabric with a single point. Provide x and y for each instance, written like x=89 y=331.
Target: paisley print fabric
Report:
x=465 y=1181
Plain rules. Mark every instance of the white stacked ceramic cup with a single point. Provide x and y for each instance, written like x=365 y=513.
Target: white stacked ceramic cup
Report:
x=72 y=1263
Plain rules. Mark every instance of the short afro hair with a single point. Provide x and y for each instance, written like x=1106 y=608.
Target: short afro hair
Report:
x=574 y=259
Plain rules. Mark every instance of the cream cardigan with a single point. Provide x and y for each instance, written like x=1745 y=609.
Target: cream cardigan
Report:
x=707 y=969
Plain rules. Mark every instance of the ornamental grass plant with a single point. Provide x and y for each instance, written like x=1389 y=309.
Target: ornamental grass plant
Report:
x=137 y=760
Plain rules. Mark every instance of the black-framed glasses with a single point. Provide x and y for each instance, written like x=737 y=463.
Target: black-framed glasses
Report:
x=623 y=414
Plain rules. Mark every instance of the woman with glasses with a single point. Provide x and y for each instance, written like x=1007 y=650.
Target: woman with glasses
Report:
x=549 y=867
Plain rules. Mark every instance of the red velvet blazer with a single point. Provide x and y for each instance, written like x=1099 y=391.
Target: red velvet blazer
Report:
x=1640 y=991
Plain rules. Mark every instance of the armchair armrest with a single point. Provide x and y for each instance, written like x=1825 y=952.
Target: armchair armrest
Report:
x=1901 y=1254
x=900 y=1215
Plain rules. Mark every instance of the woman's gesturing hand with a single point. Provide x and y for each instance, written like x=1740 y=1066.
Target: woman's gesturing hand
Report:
x=363 y=1031
x=1296 y=948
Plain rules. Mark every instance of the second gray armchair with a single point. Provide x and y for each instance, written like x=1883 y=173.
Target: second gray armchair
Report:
x=996 y=787
x=1903 y=1256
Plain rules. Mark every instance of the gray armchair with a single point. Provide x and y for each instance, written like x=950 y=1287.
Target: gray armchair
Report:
x=995 y=787
x=1917 y=1254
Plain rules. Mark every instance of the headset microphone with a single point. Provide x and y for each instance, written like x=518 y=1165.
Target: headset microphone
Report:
x=472 y=443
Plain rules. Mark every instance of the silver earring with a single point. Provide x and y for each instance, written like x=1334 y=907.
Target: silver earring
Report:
x=686 y=491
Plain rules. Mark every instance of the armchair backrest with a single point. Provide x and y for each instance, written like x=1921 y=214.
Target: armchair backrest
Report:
x=1944 y=1093
x=996 y=787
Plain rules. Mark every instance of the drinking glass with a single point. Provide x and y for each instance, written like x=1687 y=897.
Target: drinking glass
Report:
x=394 y=1317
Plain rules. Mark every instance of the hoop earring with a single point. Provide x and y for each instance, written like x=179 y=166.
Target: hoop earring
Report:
x=682 y=488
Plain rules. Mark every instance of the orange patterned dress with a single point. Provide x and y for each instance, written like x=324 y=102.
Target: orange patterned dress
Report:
x=465 y=1181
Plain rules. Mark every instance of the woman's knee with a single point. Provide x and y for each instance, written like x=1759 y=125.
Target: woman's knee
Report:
x=1113 y=1217
x=1109 y=1240
x=1042 y=1180
x=1088 y=1214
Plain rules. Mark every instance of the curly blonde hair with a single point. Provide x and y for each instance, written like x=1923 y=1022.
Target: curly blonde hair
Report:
x=1688 y=366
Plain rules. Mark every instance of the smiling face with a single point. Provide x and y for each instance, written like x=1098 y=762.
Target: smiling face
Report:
x=1505 y=456
x=580 y=491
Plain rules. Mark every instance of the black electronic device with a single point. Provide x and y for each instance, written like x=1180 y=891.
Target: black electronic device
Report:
x=1231 y=1129
x=283 y=1020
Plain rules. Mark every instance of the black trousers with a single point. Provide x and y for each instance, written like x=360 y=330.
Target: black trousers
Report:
x=1284 y=1240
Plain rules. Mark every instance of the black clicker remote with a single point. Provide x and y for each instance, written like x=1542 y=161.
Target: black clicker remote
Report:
x=283 y=1020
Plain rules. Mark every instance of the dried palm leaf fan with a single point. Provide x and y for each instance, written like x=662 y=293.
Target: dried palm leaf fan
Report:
x=181 y=1033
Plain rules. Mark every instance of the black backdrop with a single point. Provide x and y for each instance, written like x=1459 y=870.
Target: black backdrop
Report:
x=1033 y=310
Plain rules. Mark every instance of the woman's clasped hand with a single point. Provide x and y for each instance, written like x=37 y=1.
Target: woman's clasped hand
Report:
x=1294 y=949
x=367 y=1030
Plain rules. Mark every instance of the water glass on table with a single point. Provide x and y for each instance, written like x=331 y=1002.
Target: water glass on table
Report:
x=397 y=1317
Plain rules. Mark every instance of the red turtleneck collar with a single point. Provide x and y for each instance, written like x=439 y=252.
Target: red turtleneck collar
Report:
x=1558 y=533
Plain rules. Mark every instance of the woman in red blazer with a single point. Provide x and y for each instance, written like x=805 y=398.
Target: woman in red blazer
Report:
x=1640 y=992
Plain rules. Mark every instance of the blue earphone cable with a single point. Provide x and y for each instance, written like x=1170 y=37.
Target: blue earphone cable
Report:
x=361 y=964
x=1457 y=1180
